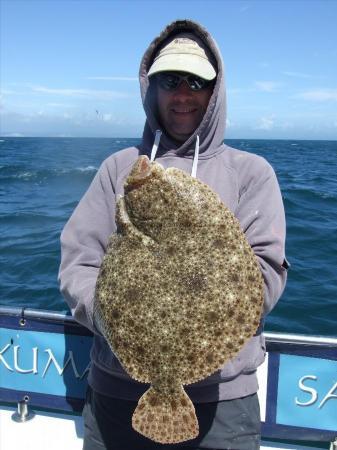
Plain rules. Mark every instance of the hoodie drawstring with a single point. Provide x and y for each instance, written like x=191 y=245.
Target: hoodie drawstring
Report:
x=155 y=145
x=195 y=158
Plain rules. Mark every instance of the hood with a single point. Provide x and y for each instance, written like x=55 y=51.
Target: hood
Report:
x=211 y=130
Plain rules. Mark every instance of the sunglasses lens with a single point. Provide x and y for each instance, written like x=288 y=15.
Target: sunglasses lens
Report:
x=196 y=83
x=168 y=81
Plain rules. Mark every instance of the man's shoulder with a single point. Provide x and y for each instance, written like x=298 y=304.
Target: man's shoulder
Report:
x=242 y=157
x=121 y=161
x=244 y=161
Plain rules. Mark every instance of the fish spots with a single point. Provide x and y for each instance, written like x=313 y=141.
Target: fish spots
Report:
x=163 y=314
x=240 y=319
x=211 y=316
x=154 y=363
x=234 y=277
x=185 y=418
x=256 y=323
x=194 y=281
x=133 y=294
x=129 y=321
x=209 y=358
x=115 y=313
x=133 y=244
x=218 y=244
x=153 y=401
x=140 y=350
x=230 y=313
x=138 y=328
x=103 y=271
x=186 y=222
x=183 y=402
x=177 y=296
x=173 y=404
x=184 y=332
x=192 y=358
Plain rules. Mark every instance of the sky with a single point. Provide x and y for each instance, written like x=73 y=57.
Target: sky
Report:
x=70 y=68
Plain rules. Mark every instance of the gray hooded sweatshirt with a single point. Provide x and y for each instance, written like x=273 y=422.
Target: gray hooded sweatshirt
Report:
x=246 y=184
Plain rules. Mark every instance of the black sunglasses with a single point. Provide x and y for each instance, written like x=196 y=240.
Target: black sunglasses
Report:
x=169 y=81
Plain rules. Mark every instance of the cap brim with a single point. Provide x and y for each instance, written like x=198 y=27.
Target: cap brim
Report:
x=184 y=63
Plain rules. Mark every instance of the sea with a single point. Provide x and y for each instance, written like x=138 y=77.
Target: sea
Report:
x=43 y=179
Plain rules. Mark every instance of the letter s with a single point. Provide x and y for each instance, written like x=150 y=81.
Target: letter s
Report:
x=308 y=389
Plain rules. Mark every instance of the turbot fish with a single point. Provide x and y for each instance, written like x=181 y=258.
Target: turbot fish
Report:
x=178 y=294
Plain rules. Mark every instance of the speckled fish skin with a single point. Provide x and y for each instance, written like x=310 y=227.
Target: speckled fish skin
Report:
x=178 y=294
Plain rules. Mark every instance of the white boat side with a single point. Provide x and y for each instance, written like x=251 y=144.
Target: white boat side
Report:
x=64 y=430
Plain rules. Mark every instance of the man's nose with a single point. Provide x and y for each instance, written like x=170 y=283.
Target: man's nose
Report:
x=183 y=90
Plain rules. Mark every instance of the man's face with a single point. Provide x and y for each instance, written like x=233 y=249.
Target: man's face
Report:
x=181 y=110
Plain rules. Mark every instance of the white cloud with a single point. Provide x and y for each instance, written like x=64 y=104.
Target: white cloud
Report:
x=75 y=123
x=286 y=125
x=113 y=78
x=318 y=95
x=297 y=74
x=266 y=123
x=13 y=135
x=267 y=86
x=7 y=92
x=107 y=117
x=239 y=91
x=61 y=105
x=244 y=8
x=264 y=64
x=81 y=93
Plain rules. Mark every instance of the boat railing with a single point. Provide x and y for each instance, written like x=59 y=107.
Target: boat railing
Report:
x=44 y=362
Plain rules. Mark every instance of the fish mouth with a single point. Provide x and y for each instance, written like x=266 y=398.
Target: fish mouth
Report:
x=139 y=174
x=142 y=168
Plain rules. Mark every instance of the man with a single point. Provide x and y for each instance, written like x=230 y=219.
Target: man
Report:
x=182 y=86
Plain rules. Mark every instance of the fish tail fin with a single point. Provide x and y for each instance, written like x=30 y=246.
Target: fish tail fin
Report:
x=167 y=419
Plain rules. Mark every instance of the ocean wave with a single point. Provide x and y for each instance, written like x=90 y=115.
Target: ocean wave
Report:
x=10 y=173
x=25 y=175
x=88 y=169
x=308 y=194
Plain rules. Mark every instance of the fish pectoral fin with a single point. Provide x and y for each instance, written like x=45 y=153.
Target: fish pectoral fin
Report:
x=167 y=419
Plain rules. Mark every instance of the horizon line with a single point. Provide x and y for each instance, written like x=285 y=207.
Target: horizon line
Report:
x=139 y=138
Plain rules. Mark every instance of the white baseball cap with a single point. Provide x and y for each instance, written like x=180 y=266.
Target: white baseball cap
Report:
x=185 y=52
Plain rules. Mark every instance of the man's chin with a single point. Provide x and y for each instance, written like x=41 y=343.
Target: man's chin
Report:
x=180 y=138
x=181 y=135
